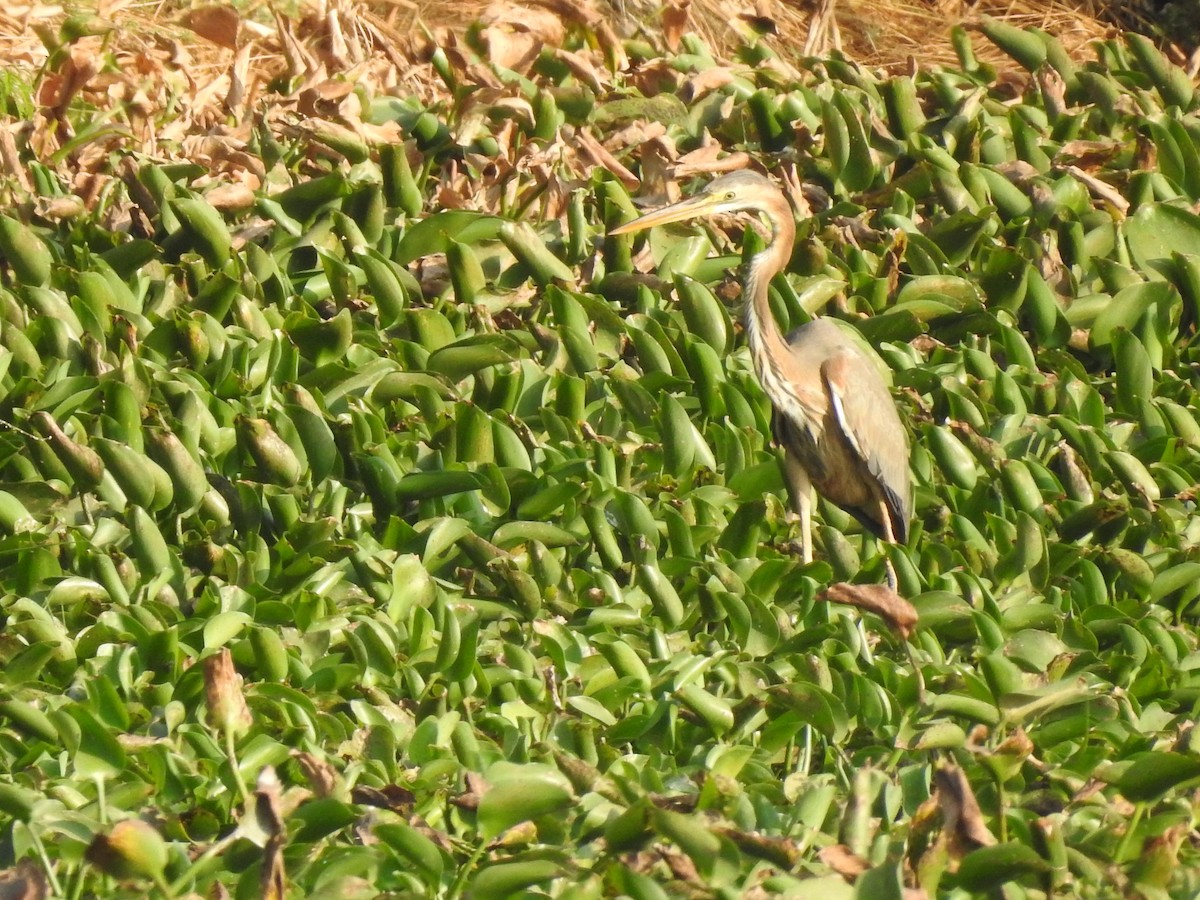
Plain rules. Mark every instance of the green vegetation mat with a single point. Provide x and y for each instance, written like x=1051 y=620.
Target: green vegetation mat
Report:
x=357 y=545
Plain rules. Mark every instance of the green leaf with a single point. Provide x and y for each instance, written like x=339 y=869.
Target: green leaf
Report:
x=414 y=846
x=469 y=355
x=518 y=799
x=989 y=867
x=690 y=835
x=1153 y=774
x=1176 y=578
x=591 y=707
x=321 y=817
x=1157 y=230
x=434 y=233
x=508 y=879
x=1128 y=306
x=224 y=627
x=951 y=291
x=426 y=485
x=957 y=235
x=97 y=753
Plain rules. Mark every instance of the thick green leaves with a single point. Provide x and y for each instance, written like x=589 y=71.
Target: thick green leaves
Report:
x=519 y=797
x=1157 y=230
x=989 y=867
x=1151 y=775
x=433 y=234
x=485 y=509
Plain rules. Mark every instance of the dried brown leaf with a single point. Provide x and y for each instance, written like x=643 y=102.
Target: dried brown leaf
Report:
x=1088 y=155
x=898 y=613
x=25 y=881
x=514 y=34
x=387 y=133
x=324 y=779
x=268 y=795
x=390 y=796
x=231 y=197
x=675 y=22
x=889 y=269
x=299 y=60
x=581 y=68
x=338 y=50
x=681 y=865
x=658 y=169
x=1019 y=172
x=595 y=151
x=1102 y=190
x=507 y=49
x=1016 y=744
x=10 y=160
x=798 y=192
x=237 y=101
x=518 y=106
x=1159 y=858
x=542 y=23
x=60 y=88
x=579 y=12
x=227 y=710
x=268 y=815
x=476 y=788
x=436 y=835
x=960 y=810
x=844 y=861
x=1053 y=90
x=219 y=23
x=705 y=82
x=643 y=862
x=703 y=157
x=780 y=851
x=638 y=132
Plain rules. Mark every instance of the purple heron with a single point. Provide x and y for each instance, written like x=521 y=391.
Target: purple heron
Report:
x=834 y=416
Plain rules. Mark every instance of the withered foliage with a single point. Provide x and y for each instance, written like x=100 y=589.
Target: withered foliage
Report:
x=227 y=710
x=269 y=816
x=211 y=87
x=25 y=881
x=885 y=34
x=963 y=820
x=208 y=86
x=898 y=613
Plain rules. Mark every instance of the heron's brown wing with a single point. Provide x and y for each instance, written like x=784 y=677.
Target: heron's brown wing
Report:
x=866 y=413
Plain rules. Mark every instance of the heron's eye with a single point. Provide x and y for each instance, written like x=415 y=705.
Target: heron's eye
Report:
x=730 y=195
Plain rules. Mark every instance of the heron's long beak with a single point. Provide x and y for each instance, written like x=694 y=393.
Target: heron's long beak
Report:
x=699 y=205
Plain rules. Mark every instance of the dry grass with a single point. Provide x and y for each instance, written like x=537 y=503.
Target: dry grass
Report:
x=876 y=33
x=892 y=34
x=178 y=79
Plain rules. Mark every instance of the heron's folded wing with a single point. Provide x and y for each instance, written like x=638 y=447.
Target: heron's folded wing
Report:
x=866 y=414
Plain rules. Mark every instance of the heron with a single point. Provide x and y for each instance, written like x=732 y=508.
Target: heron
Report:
x=833 y=414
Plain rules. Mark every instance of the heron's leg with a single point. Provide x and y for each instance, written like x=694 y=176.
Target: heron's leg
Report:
x=801 y=490
x=890 y=537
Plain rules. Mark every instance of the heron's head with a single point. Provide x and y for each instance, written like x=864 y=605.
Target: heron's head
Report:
x=735 y=192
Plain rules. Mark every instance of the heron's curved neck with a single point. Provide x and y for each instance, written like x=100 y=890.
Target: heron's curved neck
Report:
x=767 y=346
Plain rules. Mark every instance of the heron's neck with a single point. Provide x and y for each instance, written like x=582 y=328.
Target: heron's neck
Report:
x=767 y=345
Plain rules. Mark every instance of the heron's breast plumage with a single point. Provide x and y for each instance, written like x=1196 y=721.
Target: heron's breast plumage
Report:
x=802 y=404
